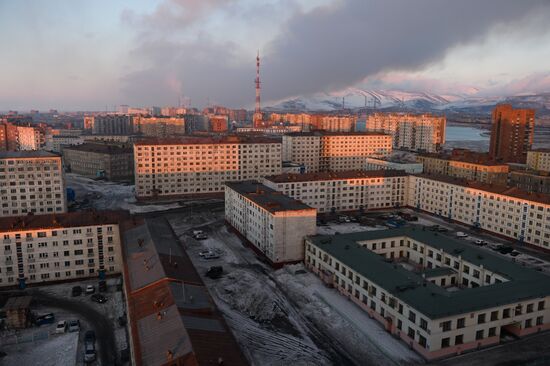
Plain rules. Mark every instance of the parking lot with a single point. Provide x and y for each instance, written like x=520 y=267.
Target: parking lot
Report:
x=67 y=345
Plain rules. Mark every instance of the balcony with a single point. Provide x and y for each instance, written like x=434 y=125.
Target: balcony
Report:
x=6 y=241
x=31 y=260
x=9 y=262
x=32 y=270
x=91 y=254
x=90 y=265
x=90 y=245
x=89 y=234
x=10 y=273
x=30 y=250
x=29 y=239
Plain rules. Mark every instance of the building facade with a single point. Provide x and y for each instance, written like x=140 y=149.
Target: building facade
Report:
x=218 y=123
x=511 y=133
x=202 y=165
x=110 y=161
x=331 y=151
x=530 y=180
x=159 y=126
x=272 y=222
x=416 y=132
x=31 y=182
x=344 y=191
x=56 y=143
x=470 y=165
x=390 y=164
x=441 y=297
x=109 y=124
x=57 y=247
x=8 y=136
x=539 y=159
x=505 y=211
x=29 y=138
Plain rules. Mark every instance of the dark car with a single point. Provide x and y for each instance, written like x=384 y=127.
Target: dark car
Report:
x=45 y=319
x=98 y=298
x=506 y=249
x=214 y=272
x=89 y=336
x=76 y=291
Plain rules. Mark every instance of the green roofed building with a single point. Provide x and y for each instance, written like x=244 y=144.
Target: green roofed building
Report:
x=439 y=295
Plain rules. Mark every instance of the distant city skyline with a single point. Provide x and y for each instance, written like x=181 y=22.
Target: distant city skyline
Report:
x=88 y=55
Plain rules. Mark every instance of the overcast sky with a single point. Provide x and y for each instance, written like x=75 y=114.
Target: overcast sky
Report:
x=89 y=55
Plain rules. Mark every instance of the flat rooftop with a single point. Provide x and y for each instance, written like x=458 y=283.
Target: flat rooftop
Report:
x=347 y=174
x=493 y=188
x=269 y=199
x=200 y=140
x=431 y=300
x=101 y=148
x=471 y=158
x=331 y=133
x=28 y=154
x=58 y=221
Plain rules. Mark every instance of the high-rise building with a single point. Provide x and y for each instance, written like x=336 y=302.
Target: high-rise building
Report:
x=8 y=136
x=512 y=133
x=218 y=123
x=201 y=165
x=29 y=138
x=159 y=126
x=334 y=151
x=109 y=124
x=417 y=132
x=31 y=182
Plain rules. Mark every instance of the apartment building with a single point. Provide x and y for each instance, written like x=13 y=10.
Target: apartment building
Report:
x=159 y=126
x=393 y=164
x=332 y=151
x=511 y=133
x=441 y=297
x=505 y=211
x=55 y=143
x=29 y=138
x=100 y=160
x=344 y=191
x=273 y=223
x=417 y=132
x=539 y=159
x=537 y=181
x=172 y=319
x=31 y=182
x=218 y=123
x=465 y=164
x=109 y=124
x=202 y=165
x=325 y=122
x=57 y=247
x=8 y=136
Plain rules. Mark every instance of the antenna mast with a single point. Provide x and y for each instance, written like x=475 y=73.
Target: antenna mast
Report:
x=257 y=120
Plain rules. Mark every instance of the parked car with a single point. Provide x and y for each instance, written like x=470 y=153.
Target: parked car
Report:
x=61 y=327
x=201 y=236
x=89 y=352
x=442 y=229
x=460 y=234
x=211 y=255
x=74 y=325
x=89 y=336
x=76 y=291
x=44 y=319
x=90 y=289
x=102 y=286
x=197 y=232
x=98 y=298
x=515 y=253
x=505 y=249
x=480 y=242
x=214 y=272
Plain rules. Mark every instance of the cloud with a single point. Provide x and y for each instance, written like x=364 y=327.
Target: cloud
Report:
x=327 y=48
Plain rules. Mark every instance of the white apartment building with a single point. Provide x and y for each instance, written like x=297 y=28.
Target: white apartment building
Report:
x=56 y=247
x=417 y=132
x=29 y=138
x=333 y=151
x=272 y=222
x=344 y=191
x=190 y=165
x=539 y=159
x=388 y=164
x=55 y=143
x=505 y=211
x=31 y=182
x=441 y=297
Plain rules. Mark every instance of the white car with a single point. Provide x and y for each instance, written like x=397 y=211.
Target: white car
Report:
x=61 y=327
x=460 y=234
x=480 y=242
x=90 y=289
x=211 y=255
x=197 y=232
x=202 y=253
x=74 y=326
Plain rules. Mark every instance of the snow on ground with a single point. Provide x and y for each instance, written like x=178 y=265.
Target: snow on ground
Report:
x=104 y=195
x=343 y=319
x=345 y=228
x=58 y=350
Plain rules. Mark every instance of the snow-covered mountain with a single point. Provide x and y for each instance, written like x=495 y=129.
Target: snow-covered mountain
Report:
x=354 y=98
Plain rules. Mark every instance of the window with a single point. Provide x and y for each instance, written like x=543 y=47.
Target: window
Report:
x=541 y=305
x=528 y=323
x=459 y=339
x=410 y=333
x=479 y=334
x=423 y=324
x=530 y=308
x=412 y=316
x=494 y=315
x=445 y=342
x=492 y=332
x=422 y=341
x=460 y=323
x=446 y=326
x=481 y=319
x=505 y=313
